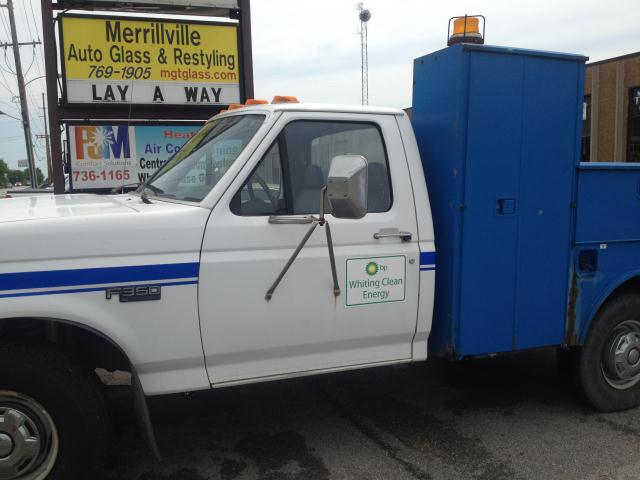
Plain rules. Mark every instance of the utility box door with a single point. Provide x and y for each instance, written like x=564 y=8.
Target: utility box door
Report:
x=521 y=157
x=492 y=203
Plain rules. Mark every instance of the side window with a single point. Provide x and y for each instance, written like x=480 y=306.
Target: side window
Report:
x=263 y=192
x=633 y=147
x=311 y=145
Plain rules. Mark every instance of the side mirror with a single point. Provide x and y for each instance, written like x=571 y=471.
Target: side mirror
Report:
x=347 y=193
x=347 y=186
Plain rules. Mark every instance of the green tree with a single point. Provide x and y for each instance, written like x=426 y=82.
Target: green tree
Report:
x=4 y=173
x=27 y=177
x=16 y=176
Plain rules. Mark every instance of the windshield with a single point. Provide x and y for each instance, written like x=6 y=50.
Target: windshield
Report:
x=198 y=166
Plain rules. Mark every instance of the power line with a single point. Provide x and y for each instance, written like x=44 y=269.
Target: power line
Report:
x=24 y=9
x=37 y=50
x=33 y=16
x=29 y=21
x=26 y=121
x=5 y=26
x=30 y=65
x=6 y=62
x=5 y=83
x=8 y=104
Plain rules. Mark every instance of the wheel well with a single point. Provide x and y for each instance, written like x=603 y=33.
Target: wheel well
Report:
x=94 y=348
x=629 y=286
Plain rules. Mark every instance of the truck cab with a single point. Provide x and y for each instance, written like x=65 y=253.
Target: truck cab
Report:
x=207 y=228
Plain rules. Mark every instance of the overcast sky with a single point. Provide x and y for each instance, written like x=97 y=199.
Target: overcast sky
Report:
x=310 y=48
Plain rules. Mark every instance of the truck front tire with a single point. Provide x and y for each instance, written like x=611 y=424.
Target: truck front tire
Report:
x=610 y=358
x=53 y=415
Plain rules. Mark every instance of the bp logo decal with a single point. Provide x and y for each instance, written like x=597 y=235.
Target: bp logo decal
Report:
x=371 y=268
x=375 y=280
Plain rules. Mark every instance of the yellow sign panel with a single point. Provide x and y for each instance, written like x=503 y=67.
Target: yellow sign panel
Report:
x=123 y=60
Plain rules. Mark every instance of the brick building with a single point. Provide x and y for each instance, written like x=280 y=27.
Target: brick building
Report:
x=611 y=116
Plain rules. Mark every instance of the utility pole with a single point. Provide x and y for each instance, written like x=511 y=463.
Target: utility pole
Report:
x=46 y=140
x=51 y=71
x=22 y=92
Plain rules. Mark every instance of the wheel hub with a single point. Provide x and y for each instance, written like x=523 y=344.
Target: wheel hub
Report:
x=633 y=356
x=6 y=445
x=621 y=358
x=28 y=438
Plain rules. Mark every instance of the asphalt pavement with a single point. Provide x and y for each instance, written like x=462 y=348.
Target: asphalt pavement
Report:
x=511 y=417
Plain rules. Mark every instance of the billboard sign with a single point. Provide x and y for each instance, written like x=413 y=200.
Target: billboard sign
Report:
x=122 y=60
x=110 y=156
x=165 y=4
x=23 y=164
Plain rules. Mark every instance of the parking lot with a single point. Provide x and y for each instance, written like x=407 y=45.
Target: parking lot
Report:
x=504 y=418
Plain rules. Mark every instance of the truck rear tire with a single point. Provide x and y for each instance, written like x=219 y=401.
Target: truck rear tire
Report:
x=53 y=415
x=610 y=358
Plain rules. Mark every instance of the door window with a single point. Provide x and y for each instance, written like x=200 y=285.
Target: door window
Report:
x=633 y=147
x=585 y=150
x=290 y=183
x=311 y=145
x=263 y=192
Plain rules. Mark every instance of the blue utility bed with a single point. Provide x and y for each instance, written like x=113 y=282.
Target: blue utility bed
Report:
x=607 y=243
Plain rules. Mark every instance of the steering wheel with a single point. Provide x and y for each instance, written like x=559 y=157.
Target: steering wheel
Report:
x=263 y=185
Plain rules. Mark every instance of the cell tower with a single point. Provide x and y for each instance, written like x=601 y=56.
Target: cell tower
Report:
x=365 y=16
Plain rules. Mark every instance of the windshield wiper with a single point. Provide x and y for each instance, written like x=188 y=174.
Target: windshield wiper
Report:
x=144 y=198
x=153 y=188
x=143 y=194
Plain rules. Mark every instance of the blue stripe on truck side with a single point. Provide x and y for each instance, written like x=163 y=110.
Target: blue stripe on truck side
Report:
x=93 y=276
x=427 y=261
x=80 y=290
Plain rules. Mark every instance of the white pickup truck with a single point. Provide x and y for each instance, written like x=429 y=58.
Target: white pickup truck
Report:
x=170 y=283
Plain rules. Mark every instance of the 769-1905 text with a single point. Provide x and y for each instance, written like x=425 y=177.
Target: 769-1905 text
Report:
x=124 y=73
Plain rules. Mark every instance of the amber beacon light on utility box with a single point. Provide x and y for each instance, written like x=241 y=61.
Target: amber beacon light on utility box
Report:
x=466 y=29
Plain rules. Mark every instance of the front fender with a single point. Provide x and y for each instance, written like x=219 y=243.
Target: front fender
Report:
x=160 y=338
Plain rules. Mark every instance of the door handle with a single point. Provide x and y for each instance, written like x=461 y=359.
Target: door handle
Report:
x=404 y=236
x=290 y=219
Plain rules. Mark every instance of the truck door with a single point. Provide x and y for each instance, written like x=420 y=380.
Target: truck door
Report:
x=304 y=327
